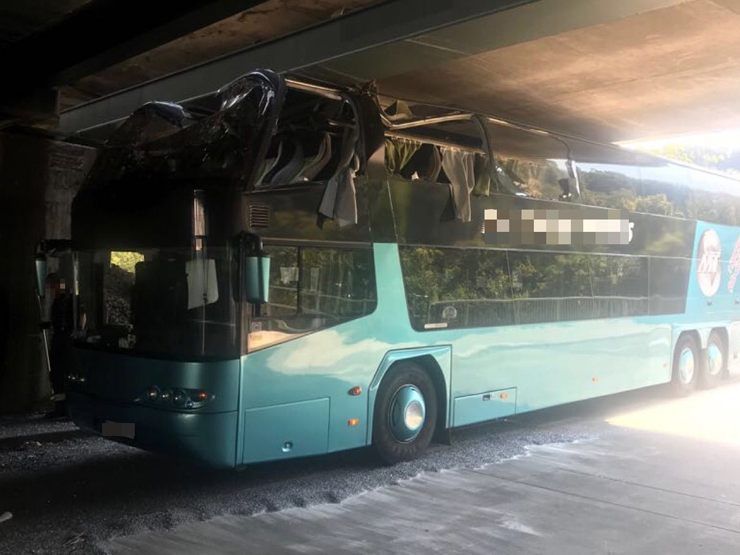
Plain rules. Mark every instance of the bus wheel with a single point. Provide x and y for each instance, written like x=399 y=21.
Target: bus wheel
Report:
x=714 y=360
x=686 y=363
x=405 y=413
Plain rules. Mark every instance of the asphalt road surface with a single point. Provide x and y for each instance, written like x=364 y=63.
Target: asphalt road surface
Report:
x=70 y=492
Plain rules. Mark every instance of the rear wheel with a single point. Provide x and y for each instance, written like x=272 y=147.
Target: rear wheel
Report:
x=686 y=364
x=405 y=413
x=714 y=360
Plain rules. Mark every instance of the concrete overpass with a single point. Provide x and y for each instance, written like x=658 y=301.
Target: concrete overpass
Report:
x=606 y=70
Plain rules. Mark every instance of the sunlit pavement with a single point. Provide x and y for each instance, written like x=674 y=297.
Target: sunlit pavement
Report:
x=712 y=416
x=660 y=479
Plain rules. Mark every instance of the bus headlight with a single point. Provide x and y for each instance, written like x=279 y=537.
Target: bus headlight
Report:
x=152 y=394
x=76 y=377
x=180 y=398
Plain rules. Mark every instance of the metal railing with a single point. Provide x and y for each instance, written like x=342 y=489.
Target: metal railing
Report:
x=490 y=312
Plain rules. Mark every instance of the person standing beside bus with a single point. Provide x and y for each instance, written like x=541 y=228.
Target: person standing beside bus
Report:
x=62 y=325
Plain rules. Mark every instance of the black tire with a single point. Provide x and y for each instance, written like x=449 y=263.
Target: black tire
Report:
x=680 y=383
x=388 y=447
x=711 y=374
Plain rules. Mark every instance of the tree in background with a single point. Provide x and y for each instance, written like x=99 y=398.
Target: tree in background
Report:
x=720 y=159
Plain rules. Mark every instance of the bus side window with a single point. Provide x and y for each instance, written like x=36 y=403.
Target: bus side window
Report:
x=609 y=177
x=284 y=275
x=468 y=288
x=668 y=284
x=557 y=287
x=620 y=285
x=534 y=163
x=313 y=288
x=663 y=188
x=551 y=287
x=456 y=288
x=713 y=198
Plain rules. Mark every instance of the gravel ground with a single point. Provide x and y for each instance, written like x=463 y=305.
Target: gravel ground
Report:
x=68 y=491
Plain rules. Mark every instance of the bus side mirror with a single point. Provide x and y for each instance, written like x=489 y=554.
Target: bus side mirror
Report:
x=257 y=278
x=570 y=186
x=255 y=268
x=565 y=188
x=41 y=272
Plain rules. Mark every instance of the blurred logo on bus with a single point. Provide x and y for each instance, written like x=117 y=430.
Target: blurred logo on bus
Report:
x=583 y=227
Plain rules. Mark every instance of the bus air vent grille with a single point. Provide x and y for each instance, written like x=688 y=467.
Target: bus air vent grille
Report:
x=259 y=216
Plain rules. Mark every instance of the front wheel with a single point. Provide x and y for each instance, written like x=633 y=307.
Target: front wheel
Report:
x=405 y=413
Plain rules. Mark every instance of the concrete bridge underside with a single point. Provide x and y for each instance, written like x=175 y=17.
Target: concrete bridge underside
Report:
x=606 y=70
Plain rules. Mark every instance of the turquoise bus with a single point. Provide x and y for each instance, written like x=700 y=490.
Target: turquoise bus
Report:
x=289 y=269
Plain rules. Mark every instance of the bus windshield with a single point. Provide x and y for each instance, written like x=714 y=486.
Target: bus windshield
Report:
x=173 y=302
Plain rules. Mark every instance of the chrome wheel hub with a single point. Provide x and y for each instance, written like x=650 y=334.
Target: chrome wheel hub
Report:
x=407 y=413
x=715 y=360
x=686 y=365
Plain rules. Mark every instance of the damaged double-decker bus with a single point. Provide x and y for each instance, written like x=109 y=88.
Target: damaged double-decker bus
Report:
x=305 y=269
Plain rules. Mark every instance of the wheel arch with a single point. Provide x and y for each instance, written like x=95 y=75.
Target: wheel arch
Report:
x=700 y=336
x=436 y=361
x=724 y=334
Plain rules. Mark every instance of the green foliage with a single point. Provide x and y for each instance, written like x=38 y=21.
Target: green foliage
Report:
x=656 y=204
x=535 y=178
x=713 y=207
x=540 y=287
x=615 y=190
x=697 y=155
x=126 y=260
x=434 y=275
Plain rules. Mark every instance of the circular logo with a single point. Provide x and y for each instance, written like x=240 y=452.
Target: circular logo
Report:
x=708 y=270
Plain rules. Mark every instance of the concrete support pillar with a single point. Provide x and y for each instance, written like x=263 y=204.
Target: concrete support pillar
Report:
x=38 y=179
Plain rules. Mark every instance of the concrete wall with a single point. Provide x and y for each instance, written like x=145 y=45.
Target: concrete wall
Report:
x=38 y=180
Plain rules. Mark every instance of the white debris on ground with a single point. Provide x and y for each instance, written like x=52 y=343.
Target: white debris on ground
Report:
x=67 y=487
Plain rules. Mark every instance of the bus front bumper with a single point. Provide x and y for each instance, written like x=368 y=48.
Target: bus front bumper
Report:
x=206 y=437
